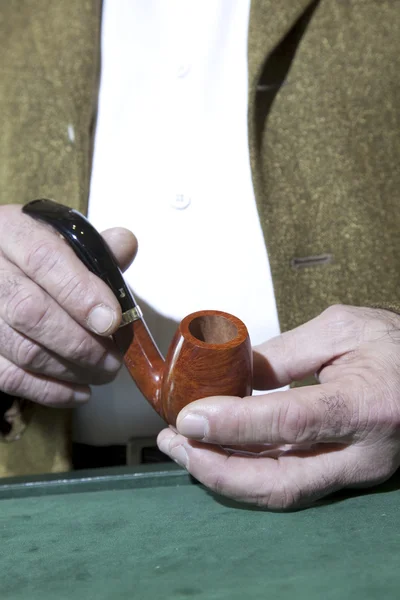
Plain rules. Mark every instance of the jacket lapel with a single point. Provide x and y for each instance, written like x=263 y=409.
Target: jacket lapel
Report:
x=269 y=22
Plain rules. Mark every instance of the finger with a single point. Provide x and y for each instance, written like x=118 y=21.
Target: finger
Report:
x=17 y=382
x=299 y=353
x=289 y=482
x=49 y=261
x=123 y=244
x=310 y=414
x=26 y=308
x=31 y=356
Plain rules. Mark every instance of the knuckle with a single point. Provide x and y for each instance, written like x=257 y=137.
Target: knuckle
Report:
x=294 y=423
x=338 y=415
x=52 y=394
x=26 y=311
x=343 y=326
x=217 y=481
x=29 y=355
x=45 y=258
x=337 y=313
x=282 y=497
x=373 y=472
x=11 y=379
x=86 y=351
x=339 y=318
x=244 y=428
x=41 y=258
x=74 y=286
x=79 y=292
x=219 y=484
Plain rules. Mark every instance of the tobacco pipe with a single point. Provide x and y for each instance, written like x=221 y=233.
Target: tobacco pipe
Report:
x=210 y=353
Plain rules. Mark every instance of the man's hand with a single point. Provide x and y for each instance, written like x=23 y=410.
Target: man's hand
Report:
x=351 y=418
x=55 y=316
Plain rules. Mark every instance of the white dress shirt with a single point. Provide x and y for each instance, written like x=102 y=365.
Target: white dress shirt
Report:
x=171 y=163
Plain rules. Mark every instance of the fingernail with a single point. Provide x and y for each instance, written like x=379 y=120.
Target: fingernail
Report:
x=111 y=363
x=164 y=441
x=100 y=319
x=194 y=426
x=81 y=396
x=180 y=456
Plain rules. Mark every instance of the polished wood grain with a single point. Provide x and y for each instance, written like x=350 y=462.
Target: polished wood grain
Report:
x=143 y=360
x=210 y=355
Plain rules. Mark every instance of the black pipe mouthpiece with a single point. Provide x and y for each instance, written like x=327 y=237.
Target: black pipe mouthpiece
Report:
x=87 y=244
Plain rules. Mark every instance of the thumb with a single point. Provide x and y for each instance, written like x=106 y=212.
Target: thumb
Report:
x=123 y=245
x=303 y=351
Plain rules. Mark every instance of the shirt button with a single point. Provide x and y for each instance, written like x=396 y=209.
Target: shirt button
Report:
x=181 y=201
x=183 y=70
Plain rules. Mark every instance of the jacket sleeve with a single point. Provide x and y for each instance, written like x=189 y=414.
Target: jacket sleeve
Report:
x=35 y=439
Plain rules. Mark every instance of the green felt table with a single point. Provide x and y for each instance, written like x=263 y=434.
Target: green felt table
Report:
x=155 y=534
